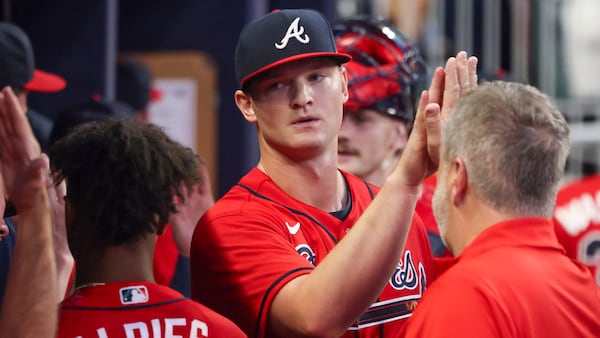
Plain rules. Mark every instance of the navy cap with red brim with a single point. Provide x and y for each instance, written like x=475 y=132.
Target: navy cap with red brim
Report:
x=283 y=36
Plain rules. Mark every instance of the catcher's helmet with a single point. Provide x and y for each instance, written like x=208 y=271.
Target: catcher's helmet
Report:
x=386 y=66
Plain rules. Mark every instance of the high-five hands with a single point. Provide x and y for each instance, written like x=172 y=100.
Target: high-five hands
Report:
x=421 y=155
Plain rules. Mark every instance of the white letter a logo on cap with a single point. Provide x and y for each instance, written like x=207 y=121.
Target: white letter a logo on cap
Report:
x=293 y=31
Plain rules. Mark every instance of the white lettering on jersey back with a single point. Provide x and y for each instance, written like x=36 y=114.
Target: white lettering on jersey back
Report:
x=195 y=329
x=577 y=215
x=132 y=328
x=293 y=31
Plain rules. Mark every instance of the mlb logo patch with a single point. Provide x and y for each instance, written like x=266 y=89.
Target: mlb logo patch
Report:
x=133 y=295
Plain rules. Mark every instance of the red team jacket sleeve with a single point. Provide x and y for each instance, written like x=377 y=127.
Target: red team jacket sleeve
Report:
x=262 y=258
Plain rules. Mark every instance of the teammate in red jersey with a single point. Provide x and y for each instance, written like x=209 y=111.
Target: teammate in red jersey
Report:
x=121 y=177
x=502 y=157
x=171 y=258
x=384 y=77
x=299 y=247
x=577 y=221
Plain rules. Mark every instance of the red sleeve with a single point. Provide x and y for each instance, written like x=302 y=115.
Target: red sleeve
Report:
x=239 y=263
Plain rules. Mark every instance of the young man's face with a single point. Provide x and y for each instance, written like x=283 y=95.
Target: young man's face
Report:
x=370 y=143
x=297 y=106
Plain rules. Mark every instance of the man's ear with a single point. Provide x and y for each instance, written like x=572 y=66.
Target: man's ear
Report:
x=344 y=75
x=244 y=103
x=401 y=131
x=459 y=181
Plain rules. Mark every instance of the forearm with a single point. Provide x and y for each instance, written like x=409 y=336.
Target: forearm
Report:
x=328 y=300
x=30 y=308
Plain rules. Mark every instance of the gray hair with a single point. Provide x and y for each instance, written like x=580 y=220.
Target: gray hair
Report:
x=514 y=142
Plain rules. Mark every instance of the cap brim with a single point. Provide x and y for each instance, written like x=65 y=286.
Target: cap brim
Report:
x=340 y=58
x=45 y=82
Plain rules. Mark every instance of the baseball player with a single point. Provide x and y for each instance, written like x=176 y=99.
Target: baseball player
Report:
x=121 y=177
x=577 y=221
x=171 y=261
x=382 y=80
x=384 y=76
x=298 y=247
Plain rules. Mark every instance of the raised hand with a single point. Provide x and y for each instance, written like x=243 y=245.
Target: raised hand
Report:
x=197 y=201
x=20 y=156
x=456 y=79
x=29 y=308
x=421 y=155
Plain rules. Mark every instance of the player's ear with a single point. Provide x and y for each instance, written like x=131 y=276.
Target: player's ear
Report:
x=244 y=103
x=344 y=76
x=401 y=133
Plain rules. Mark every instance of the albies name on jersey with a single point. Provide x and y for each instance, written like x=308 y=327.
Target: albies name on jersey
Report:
x=158 y=328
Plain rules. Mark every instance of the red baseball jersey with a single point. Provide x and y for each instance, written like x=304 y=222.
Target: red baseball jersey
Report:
x=513 y=280
x=257 y=238
x=577 y=221
x=139 y=309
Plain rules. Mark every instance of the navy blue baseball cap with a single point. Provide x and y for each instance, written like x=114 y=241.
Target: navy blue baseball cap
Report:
x=17 y=65
x=283 y=36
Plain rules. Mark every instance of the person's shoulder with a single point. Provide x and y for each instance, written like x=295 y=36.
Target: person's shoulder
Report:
x=576 y=187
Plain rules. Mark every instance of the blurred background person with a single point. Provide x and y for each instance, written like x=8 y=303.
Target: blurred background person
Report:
x=577 y=213
x=134 y=86
x=385 y=76
x=577 y=221
x=17 y=67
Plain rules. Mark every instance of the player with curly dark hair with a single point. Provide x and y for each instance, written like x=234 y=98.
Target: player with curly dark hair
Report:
x=122 y=176
x=136 y=170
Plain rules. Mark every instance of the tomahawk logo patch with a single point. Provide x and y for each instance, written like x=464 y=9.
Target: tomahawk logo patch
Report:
x=133 y=295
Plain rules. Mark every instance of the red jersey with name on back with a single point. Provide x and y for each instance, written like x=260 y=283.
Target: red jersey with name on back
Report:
x=139 y=309
x=257 y=238
x=577 y=221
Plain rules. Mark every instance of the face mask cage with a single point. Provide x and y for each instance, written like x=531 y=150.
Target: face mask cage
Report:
x=386 y=67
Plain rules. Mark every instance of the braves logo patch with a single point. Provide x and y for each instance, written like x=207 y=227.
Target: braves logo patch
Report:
x=306 y=252
x=405 y=276
x=133 y=295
